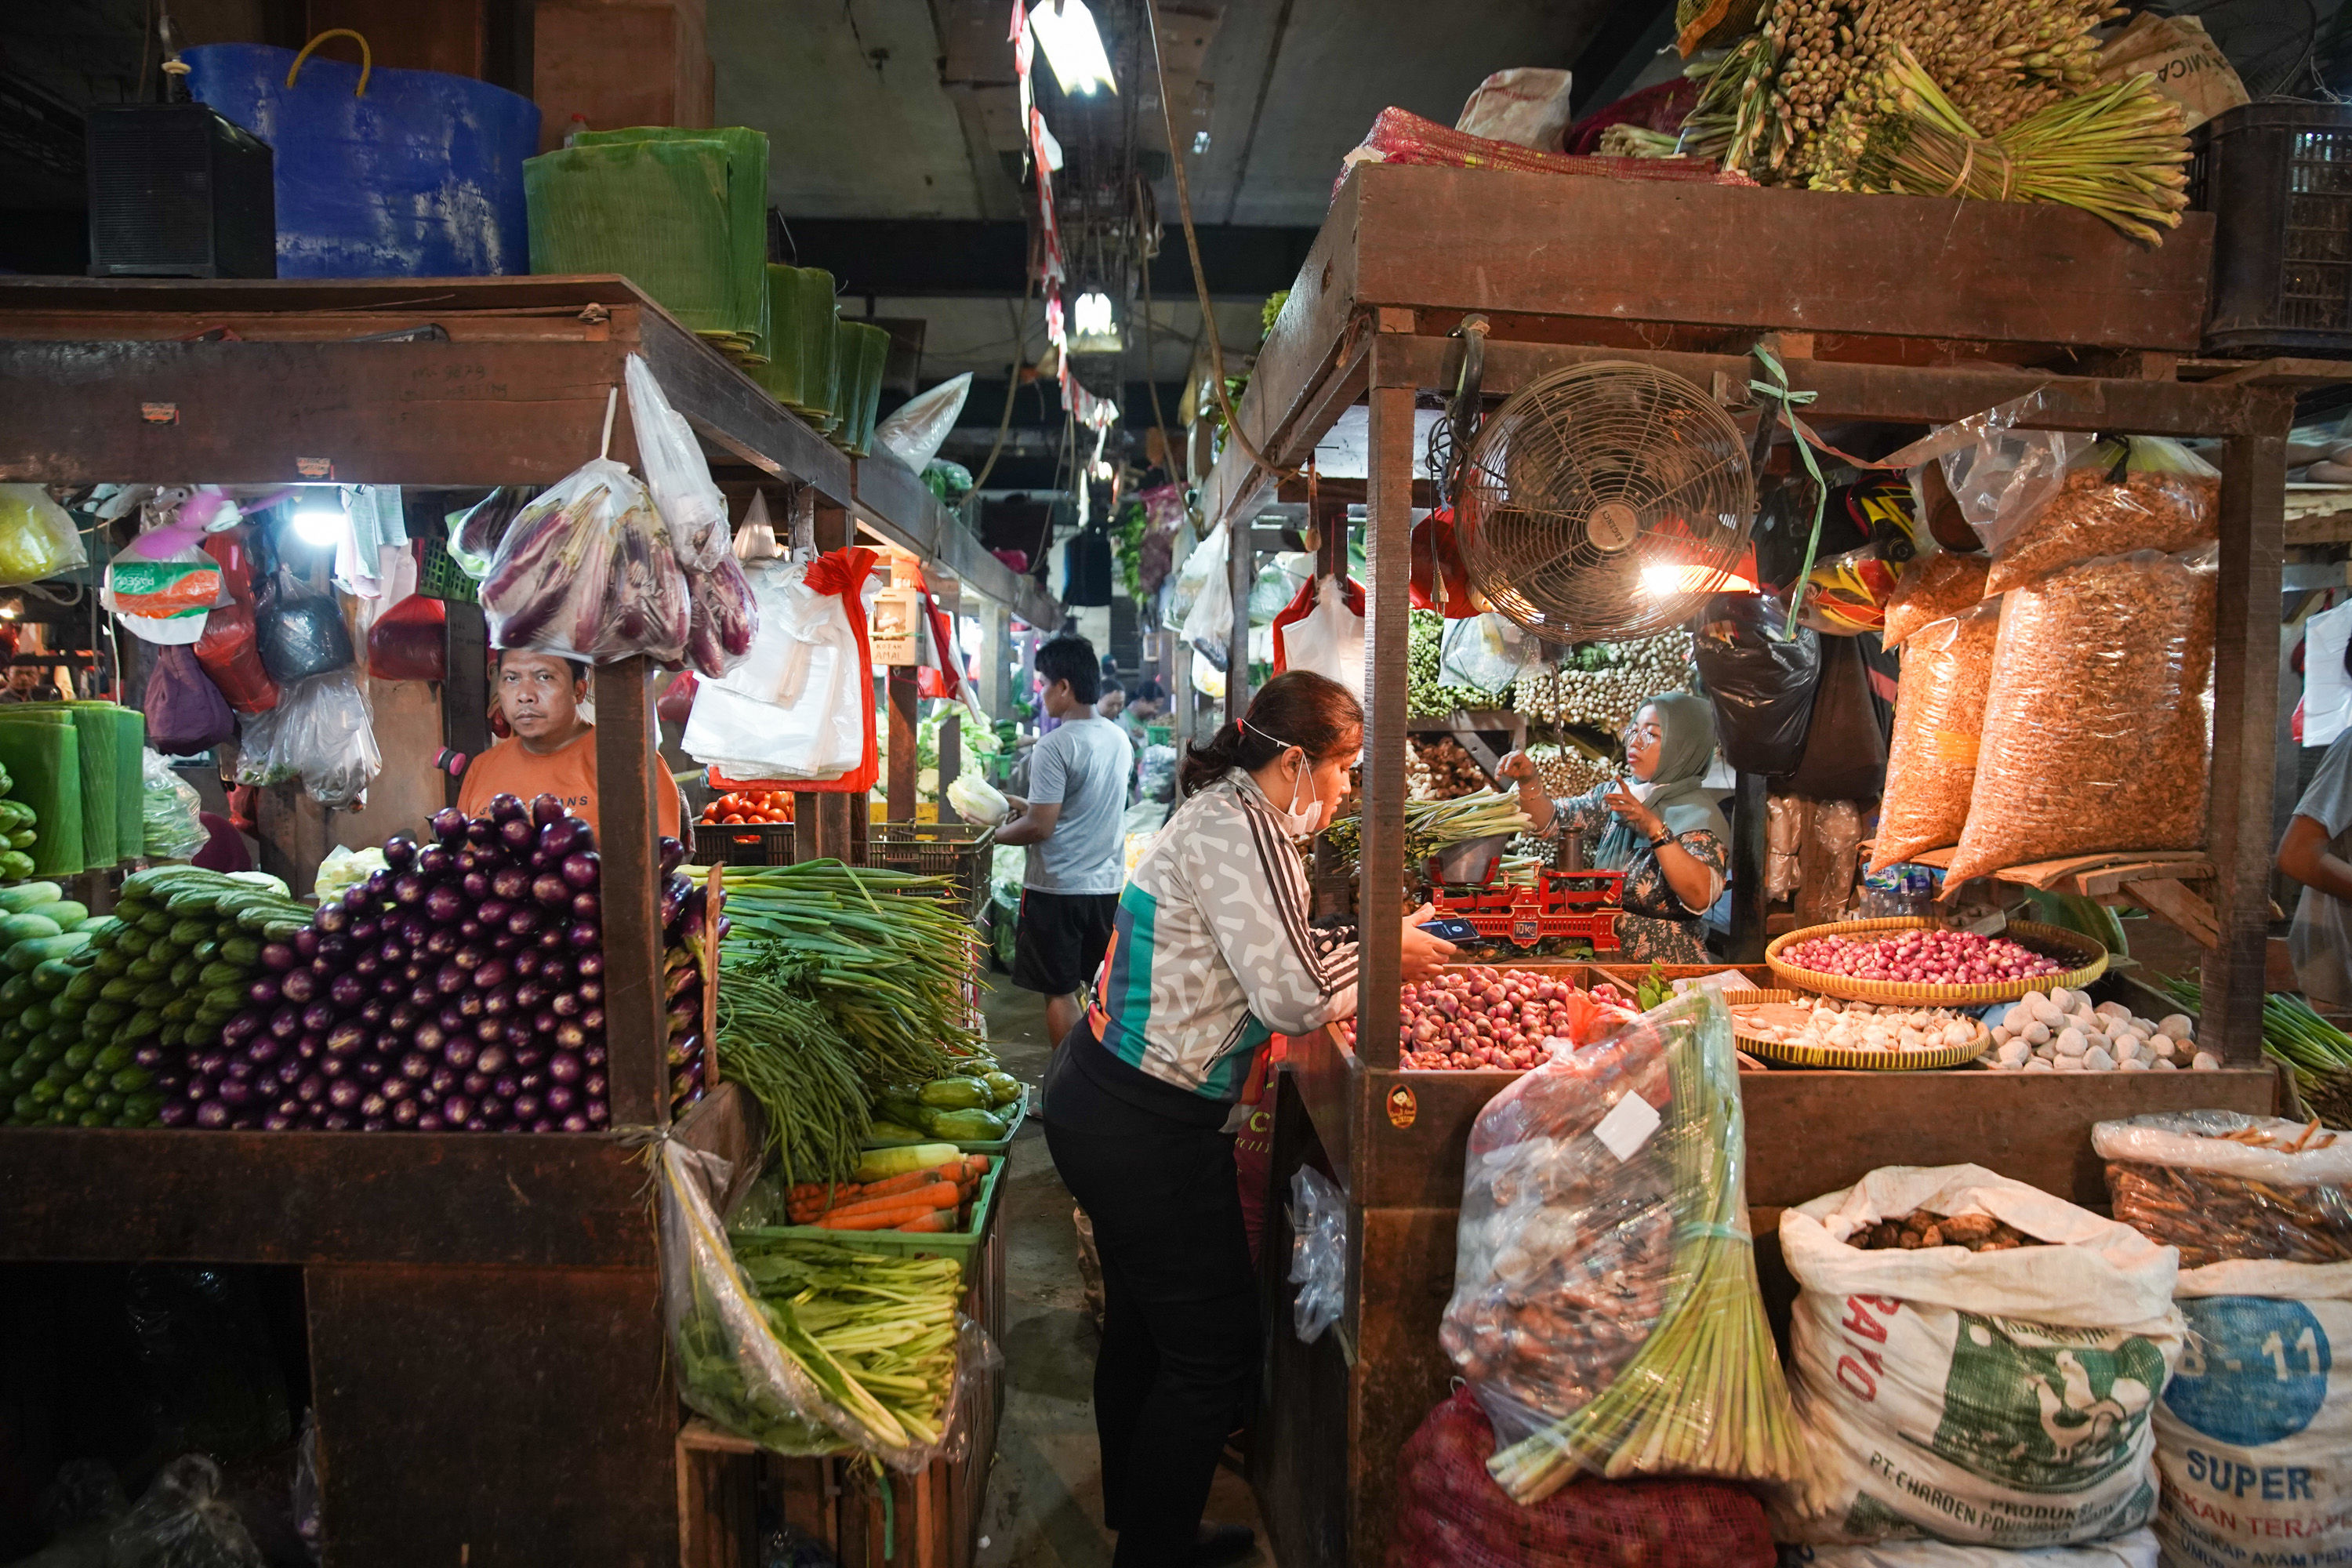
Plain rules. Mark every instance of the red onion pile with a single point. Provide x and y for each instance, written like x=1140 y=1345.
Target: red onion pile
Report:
x=1485 y=1018
x=461 y=988
x=1927 y=956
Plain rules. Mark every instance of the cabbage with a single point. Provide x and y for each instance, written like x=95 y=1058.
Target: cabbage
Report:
x=977 y=800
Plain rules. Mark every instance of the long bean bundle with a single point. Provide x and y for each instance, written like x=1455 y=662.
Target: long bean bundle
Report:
x=787 y=1052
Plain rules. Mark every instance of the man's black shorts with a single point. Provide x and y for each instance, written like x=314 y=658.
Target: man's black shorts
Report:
x=1060 y=941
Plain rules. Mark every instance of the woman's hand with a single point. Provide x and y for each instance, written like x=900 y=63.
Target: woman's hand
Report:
x=1520 y=768
x=1422 y=953
x=1637 y=815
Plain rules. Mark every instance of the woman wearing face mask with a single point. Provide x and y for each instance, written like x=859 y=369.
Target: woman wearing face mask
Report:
x=1211 y=955
x=1665 y=830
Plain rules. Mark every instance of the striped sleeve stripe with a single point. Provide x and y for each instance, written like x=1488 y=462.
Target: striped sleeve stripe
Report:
x=1282 y=872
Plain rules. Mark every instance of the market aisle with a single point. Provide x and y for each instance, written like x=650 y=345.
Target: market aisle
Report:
x=1044 y=1494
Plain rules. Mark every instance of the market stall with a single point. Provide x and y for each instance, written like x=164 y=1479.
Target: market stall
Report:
x=1880 y=309
x=476 y=1305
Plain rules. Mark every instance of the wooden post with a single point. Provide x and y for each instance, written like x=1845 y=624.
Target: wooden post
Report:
x=900 y=800
x=466 y=696
x=1388 y=562
x=628 y=826
x=995 y=659
x=1750 y=818
x=2245 y=725
x=821 y=819
x=1241 y=574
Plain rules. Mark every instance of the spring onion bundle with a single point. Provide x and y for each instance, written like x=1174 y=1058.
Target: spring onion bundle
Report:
x=877 y=1331
x=2319 y=1052
x=1431 y=826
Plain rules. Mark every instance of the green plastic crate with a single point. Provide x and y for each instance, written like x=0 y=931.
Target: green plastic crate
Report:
x=438 y=575
x=803 y=350
x=957 y=1245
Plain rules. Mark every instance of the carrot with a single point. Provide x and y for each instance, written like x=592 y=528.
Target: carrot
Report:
x=976 y=1164
x=938 y=1196
x=879 y=1219
x=939 y=1222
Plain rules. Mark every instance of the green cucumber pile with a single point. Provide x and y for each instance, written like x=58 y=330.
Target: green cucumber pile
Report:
x=20 y=830
x=101 y=1019
x=977 y=1103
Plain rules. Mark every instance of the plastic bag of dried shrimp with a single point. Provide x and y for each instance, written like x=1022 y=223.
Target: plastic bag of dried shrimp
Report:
x=2099 y=721
x=1932 y=588
x=1931 y=765
x=2127 y=493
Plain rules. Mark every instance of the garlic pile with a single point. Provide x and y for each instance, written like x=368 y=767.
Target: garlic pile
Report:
x=2063 y=1032
x=1824 y=1023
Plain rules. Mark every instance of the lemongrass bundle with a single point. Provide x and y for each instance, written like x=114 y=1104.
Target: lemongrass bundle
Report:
x=1703 y=1393
x=2118 y=151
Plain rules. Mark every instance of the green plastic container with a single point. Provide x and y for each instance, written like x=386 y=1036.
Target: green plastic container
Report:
x=39 y=748
x=864 y=351
x=802 y=363
x=131 y=786
x=682 y=213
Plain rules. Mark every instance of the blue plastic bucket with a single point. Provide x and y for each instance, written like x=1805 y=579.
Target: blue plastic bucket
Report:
x=418 y=176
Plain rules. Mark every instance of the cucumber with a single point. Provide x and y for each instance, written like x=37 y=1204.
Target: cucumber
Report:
x=180 y=1008
x=25 y=955
x=37 y=1016
x=243 y=951
x=142 y=1025
x=86 y=986
x=14 y=866
x=27 y=928
x=157 y=922
x=25 y=895
x=68 y=912
x=102 y=1014
x=24 y=838
x=17 y=993
x=51 y=976
x=190 y=902
x=155 y=993
x=225 y=998
x=189 y=931
x=183 y=971
x=284 y=930
x=132 y=940
x=111 y=962
x=119 y=988
x=219 y=972
x=146 y=969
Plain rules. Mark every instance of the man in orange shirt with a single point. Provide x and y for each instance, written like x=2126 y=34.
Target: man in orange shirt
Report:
x=553 y=750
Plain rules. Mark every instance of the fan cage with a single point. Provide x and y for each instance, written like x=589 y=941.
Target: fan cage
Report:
x=1604 y=502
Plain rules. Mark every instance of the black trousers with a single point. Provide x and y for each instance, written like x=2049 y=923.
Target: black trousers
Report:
x=1179 y=1345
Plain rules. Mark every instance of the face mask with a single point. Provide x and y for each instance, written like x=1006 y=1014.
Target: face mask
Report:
x=1297 y=820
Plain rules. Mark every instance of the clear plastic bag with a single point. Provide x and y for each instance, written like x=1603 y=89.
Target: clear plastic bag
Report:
x=1604 y=1241
x=796 y=708
x=186 y=711
x=474 y=534
x=919 y=427
x=302 y=631
x=1786 y=817
x=38 y=538
x=587 y=572
x=1934 y=587
x=1318 y=1252
x=1931 y=764
x=724 y=620
x=2097 y=726
x=1827 y=861
x=2130 y=493
x=733 y=1360
x=1488 y=652
x=326 y=736
x=258 y=763
x=1999 y=473
x=167 y=811
x=2195 y=1180
x=1209 y=623
x=183 y=1521
x=677 y=473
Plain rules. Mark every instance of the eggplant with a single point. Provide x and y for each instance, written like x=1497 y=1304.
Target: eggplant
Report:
x=470 y=1004
x=430 y=1122
x=673 y=898
x=277 y=1122
x=235 y=1093
x=594 y=1054
x=277 y=957
x=435 y=861
x=541 y=1123
x=311 y=1089
x=429 y=1035
x=504 y=944
x=450 y=978
x=494 y=1060
x=506 y=1089
x=364 y=929
x=357 y=899
x=264 y=992
x=469 y=930
x=520 y=1036
x=404 y=1112
x=529 y=961
x=393 y=952
x=515 y=836
x=373 y=1108
x=582 y=870
x=466 y=960
x=593 y=1085
x=337 y=1121
x=576 y=1122
x=544 y=1022
x=334 y=1066
x=445 y=905
x=569 y=1036
x=306 y=943
x=416 y=1065
x=148 y=1057
x=559 y=840
x=336 y=951
x=440 y=943
x=672 y=854
x=415 y=928
x=410 y=887
x=286 y=1023
x=592 y=1020
x=549 y=887
x=456 y=1109
x=497 y=1003
x=491 y=913
x=348 y=1039
x=424 y=994
x=318 y=1016
x=533 y=1079
x=476 y=884
x=547 y=808
x=375 y=1013
x=476 y=1083
x=588 y=965
x=478 y=1122
x=458 y=1052
x=256 y=1056
x=564 y=1067
x=550 y=939
x=507 y=807
x=526 y=1107
x=523 y=922
x=400 y=850
x=348 y=991
x=529 y=996
x=374 y=1124
x=482 y=833
x=396 y=1089
x=561 y=1098
x=364 y=965
x=403 y=1016
x=510 y=882
x=175 y=1113
x=583 y=935
x=212 y=1113
x=589 y=992
x=490 y=1031
x=448 y=826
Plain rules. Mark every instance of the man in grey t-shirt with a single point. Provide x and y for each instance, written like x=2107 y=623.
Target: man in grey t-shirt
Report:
x=1071 y=825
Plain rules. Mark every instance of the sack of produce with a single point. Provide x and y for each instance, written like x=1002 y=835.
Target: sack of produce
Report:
x=38 y=538
x=168 y=814
x=230 y=650
x=2095 y=724
x=186 y=711
x=1604 y=1305
x=1449 y=1511
x=1973 y=1360
x=302 y=630
x=1760 y=682
x=2254 y=1435
x=2136 y=1549
x=586 y=571
x=2223 y=1186
x=2123 y=494
x=1931 y=766
x=326 y=736
x=1932 y=588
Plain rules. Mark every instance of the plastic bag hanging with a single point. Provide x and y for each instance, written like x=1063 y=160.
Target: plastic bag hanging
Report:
x=326 y=735
x=410 y=641
x=302 y=630
x=723 y=619
x=1209 y=627
x=167 y=813
x=38 y=538
x=162 y=586
x=230 y=648
x=474 y=534
x=916 y=431
x=802 y=708
x=186 y=711
x=1329 y=639
x=676 y=472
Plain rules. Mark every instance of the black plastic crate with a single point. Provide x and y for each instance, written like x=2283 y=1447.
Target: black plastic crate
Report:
x=960 y=851
x=742 y=843
x=176 y=191
x=2278 y=179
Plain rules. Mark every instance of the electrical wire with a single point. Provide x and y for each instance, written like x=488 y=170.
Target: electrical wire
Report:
x=1012 y=381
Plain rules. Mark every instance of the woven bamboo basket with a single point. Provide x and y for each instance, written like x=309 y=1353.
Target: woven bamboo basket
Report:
x=1861 y=1061
x=2083 y=958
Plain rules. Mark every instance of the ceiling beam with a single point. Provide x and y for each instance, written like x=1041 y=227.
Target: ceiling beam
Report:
x=941 y=258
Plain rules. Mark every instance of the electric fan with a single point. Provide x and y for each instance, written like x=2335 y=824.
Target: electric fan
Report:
x=1603 y=502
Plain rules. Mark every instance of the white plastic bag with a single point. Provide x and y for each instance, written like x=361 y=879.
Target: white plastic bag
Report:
x=325 y=735
x=1996 y=1398
x=915 y=434
x=2136 y=1549
x=1209 y=627
x=1487 y=652
x=676 y=472
x=795 y=709
x=2254 y=1433
x=1329 y=640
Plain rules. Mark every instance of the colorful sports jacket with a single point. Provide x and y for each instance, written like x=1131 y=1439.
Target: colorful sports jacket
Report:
x=1211 y=954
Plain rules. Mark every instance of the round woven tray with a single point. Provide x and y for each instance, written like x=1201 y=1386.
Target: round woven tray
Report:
x=2084 y=959
x=1864 y=1061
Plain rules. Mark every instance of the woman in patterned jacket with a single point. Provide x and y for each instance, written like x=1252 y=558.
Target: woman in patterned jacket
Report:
x=1211 y=955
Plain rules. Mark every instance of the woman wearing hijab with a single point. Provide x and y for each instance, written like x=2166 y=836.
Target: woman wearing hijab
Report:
x=1664 y=830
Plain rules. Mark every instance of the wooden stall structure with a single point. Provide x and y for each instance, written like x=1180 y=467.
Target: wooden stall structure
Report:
x=1901 y=309
x=488 y=1368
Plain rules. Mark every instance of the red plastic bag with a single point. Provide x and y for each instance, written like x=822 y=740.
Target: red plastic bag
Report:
x=410 y=641
x=230 y=650
x=676 y=700
x=1434 y=549
x=1450 y=1511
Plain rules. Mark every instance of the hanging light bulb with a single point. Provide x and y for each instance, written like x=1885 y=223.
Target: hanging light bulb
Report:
x=1074 y=48
x=1091 y=317
x=321 y=523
